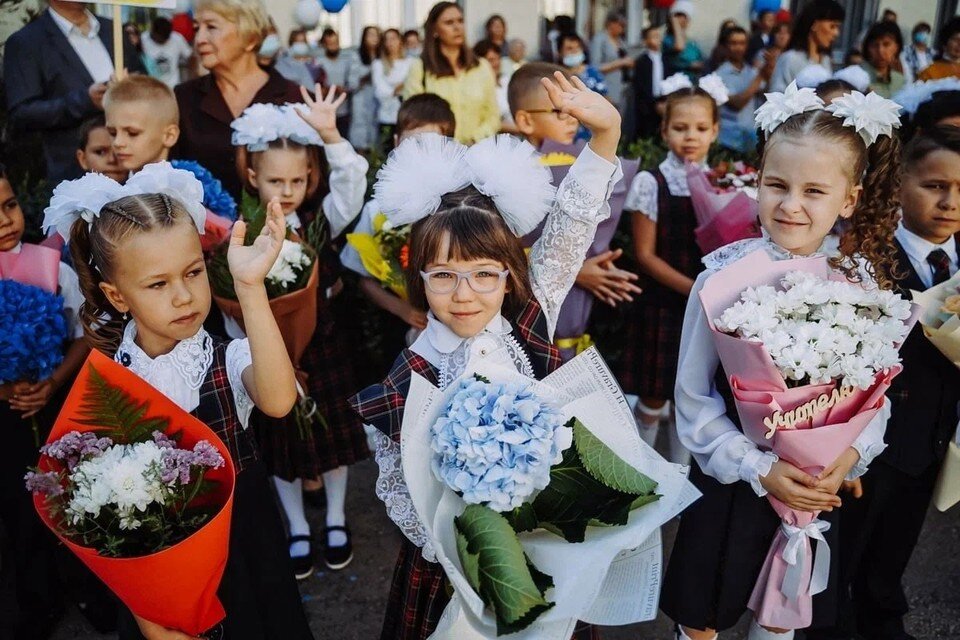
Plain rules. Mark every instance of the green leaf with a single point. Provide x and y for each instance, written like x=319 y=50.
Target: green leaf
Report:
x=113 y=413
x=508 y=583
x=606 y=466
x=523 y=518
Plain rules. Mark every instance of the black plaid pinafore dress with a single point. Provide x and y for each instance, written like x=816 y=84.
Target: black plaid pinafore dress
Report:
x=649 y=366
x=720 y=548
x=258 y=590
x=328 y=362
x=419 y=590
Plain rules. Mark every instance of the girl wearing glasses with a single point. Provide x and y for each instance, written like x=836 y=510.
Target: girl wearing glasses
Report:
x=469 y=208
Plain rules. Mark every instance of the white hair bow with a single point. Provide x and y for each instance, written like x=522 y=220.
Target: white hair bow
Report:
x=870 y=115
x=261 y=124
x=915 y=94
x=713 y=84
x=85 y=197
x=424 y=168
x=780 y=107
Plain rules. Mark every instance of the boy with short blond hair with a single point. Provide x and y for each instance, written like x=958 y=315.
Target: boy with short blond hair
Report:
x=143 y=119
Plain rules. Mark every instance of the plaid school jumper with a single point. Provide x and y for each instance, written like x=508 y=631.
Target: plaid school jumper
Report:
x=419 y=591
x=649 y=366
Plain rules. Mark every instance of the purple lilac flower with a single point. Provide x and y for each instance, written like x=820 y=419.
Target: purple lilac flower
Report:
x=163 y=441
x=47 y=483
x=75 y=446
x=206 y=455
x=178 y=463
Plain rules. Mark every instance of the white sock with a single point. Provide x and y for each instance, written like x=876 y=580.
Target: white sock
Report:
x=759 y=633
x=335 y=484
x=648 y=433
x=682 y=636
x=291 y=499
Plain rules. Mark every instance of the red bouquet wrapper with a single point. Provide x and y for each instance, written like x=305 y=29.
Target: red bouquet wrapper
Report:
x=177 y=587
x=722 y=217
x=829 y=420
x=216 y=231
x=35 y=265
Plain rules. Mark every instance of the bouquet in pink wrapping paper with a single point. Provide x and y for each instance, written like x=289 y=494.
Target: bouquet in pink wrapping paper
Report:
x=809 y=356
x=725 y=211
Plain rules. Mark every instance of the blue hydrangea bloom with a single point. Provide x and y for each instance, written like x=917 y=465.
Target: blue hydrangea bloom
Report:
x=494 y=444
x=215 y=197
x=32 y=332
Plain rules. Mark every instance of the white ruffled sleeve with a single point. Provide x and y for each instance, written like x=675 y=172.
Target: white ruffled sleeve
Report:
x=642 y=196
x=582 y=203
x=69 y=289
x=348 y=185
x=238 y=359
x=869 y=444
x=349 y=256
x=719 y=447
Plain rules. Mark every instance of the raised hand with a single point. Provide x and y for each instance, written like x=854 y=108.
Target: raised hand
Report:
x=593 y=111
x=321 y=113
x=249 y=265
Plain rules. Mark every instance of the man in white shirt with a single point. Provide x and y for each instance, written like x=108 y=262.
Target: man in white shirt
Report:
x=55 y=71
x=168 y=49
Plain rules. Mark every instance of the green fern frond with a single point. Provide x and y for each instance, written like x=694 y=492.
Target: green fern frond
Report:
x=113 y=413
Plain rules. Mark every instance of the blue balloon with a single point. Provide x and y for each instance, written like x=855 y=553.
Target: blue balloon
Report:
x=766 y=5
x=333 y=6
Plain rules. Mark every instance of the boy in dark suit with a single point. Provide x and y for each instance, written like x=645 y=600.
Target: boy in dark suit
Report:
x=648 y=75
x=880 y=528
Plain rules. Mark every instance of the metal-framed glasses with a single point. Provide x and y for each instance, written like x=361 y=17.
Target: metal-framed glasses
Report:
x=445 y=281
x=561 y=116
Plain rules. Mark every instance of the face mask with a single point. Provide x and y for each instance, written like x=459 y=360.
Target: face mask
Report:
x=414 y=53
x=574 y=59
x=300 y=50
x=922 y=37
x=270 y=46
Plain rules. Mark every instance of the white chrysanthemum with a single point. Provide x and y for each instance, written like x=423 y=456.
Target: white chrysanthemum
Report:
x=780 y=107
x=714 y=85
x=676 y=82
x=291 y=261
x=870 y=115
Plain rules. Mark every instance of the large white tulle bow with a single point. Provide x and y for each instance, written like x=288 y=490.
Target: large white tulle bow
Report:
x=85 y=197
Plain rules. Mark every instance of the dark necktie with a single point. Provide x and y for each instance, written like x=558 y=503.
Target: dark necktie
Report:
x=940 y=262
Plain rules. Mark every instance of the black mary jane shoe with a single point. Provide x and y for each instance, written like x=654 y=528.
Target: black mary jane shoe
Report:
x=337 y=558
x=302 y=565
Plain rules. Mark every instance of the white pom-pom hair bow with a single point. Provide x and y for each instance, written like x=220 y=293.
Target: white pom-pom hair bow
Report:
x=712 y=84
x=85 y=197
x=424 y=168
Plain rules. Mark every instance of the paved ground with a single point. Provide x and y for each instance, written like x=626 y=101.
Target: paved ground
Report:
x=348 y=605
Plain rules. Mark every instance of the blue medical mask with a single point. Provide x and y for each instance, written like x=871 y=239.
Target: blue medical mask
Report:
x=270 y=46
x=922 y=37
x=574 y=59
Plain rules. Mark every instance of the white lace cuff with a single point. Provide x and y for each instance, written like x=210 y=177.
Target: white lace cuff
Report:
x=642 y=196
x=869 y=444
x=238 y=359
x=595 y=177
x=757 y=464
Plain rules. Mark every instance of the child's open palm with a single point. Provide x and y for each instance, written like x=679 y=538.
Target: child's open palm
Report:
x=249 y=265
x=321 y=113
x=572 y=96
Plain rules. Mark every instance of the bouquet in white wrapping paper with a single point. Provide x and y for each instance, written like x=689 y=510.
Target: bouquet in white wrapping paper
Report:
x=541 y=501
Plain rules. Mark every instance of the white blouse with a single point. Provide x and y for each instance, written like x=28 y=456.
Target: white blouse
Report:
x=642 y=196
x=582 y=203
x=68 y=288
x=719 y=447
x=385 y=84
x=180 y=373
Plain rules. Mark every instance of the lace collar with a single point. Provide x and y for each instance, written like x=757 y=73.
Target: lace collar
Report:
x=732 y=252
x=674 y=171
x=190 y=358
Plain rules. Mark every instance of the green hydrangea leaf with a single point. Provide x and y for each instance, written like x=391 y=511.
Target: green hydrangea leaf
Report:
x=606 y=466
x=491 y=554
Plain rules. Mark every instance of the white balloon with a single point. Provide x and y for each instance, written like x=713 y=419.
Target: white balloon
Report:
x=307 y=13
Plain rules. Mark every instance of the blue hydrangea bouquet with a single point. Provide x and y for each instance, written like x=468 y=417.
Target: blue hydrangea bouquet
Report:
x=540 y=500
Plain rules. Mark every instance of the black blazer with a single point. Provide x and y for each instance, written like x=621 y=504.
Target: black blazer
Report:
x=924 y=397
x=648 y=122
x=47 y=89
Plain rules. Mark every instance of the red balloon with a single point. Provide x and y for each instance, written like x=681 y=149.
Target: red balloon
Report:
x=333 y=6
x=662 y=4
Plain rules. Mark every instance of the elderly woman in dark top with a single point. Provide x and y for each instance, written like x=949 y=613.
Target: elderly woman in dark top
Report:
x=229 y=34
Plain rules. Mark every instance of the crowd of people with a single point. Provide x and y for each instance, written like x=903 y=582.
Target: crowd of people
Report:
x=212 y=97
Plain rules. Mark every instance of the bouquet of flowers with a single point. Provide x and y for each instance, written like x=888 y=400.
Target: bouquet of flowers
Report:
x=385 y=253
x=940 y=320
x=725 y=204
x=141 y=492
x=541 y=502
x=809 y=357
x=221 y=207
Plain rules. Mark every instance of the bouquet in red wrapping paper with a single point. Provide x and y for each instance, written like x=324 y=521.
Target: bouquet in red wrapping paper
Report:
x=725 y=204
x=809 y=356
x=141 y=492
